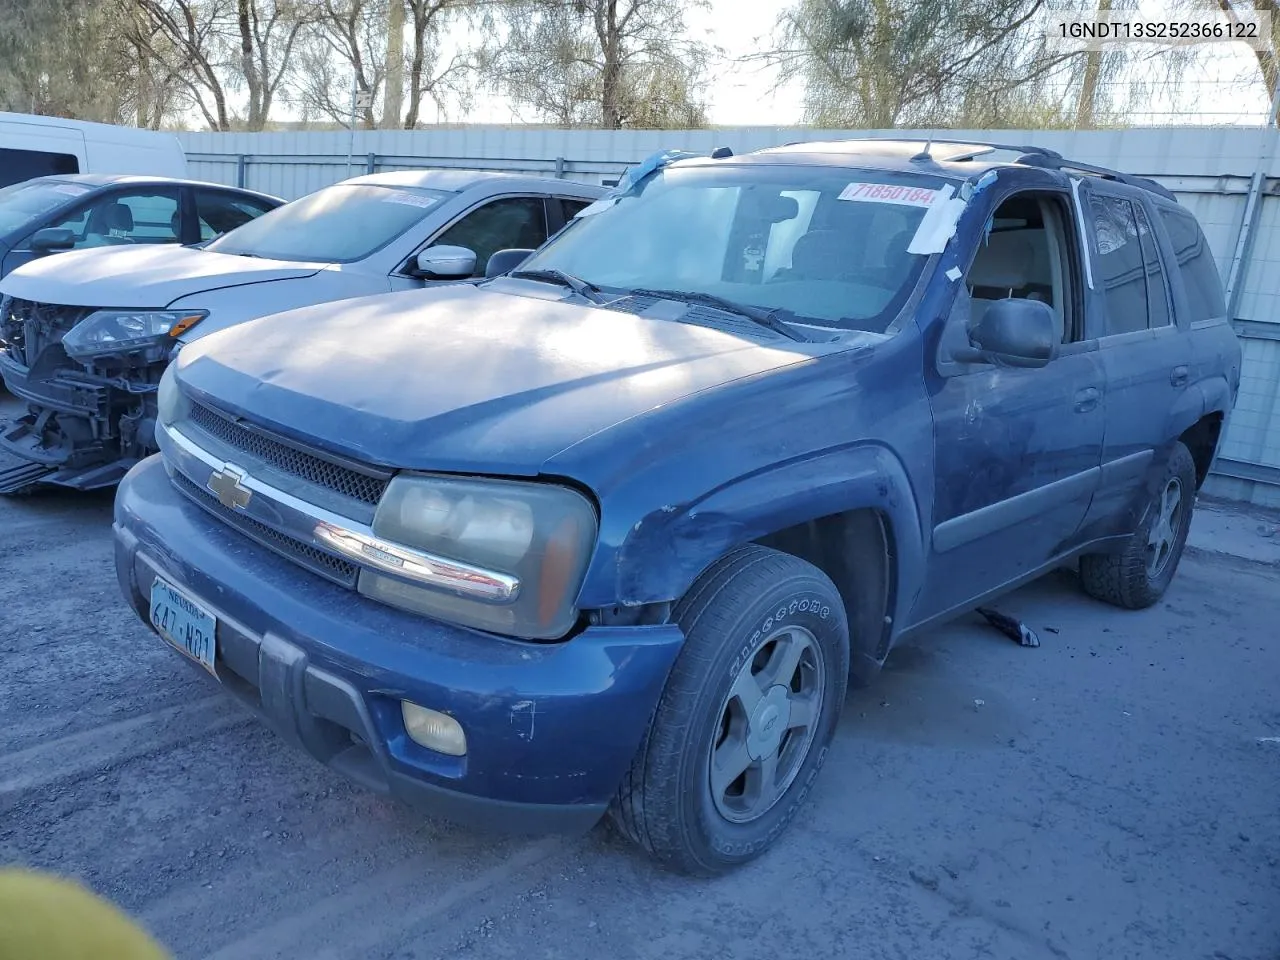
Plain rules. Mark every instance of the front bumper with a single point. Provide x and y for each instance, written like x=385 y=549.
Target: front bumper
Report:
x=551 y=728
x=91 y=415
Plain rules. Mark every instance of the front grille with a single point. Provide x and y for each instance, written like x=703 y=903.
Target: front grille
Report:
x=289 y=459
x=304 y=554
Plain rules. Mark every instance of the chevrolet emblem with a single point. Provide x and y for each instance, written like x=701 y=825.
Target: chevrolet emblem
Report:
x=225 y=484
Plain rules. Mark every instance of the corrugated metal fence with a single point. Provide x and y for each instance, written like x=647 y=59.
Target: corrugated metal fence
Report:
x=1229 y=177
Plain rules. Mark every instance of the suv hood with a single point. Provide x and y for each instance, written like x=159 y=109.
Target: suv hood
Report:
x=151 y=275
x=463 y=378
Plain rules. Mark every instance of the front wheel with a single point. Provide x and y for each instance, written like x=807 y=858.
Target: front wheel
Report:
x=747 y=715
x=1138 y=576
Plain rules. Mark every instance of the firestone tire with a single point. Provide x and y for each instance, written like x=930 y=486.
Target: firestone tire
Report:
x=1137 y=576
x=757 y=687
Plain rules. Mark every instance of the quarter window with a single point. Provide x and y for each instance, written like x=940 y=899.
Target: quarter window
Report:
x=19 y=165
x=1195 y=261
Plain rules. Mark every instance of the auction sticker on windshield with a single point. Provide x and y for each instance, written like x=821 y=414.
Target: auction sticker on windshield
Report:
x=889 y=193
x=190 y=628
x=411 y=200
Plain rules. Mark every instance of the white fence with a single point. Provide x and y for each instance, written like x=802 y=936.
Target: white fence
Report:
x=1228 y=177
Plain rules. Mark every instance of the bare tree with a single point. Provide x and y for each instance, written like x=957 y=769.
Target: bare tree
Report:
x=365 y=40
x=214 y=48
x=347 y=39
x=267 y=32
x=393 y=99
x=426 y=77
x=608 y=63
x=187 y=37
x=1268 y=65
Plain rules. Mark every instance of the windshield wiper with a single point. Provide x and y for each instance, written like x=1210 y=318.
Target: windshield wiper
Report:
x=588 y=291
x=765 y=318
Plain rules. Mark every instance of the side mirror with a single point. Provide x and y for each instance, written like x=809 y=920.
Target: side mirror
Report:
x=1013 y=333
x=445 y=262
x=504 y=261
x=52 y=238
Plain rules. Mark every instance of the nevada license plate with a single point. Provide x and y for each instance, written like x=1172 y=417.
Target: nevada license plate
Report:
x=184 y=623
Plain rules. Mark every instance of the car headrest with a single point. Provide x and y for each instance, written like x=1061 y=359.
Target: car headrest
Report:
x=776 y=208
x=818 y=255
x=119 y=217
x=1010 y=260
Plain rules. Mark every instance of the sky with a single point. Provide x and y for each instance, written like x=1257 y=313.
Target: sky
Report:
x=747 y=94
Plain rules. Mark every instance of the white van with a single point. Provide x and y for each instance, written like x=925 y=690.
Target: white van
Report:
x=32 y=146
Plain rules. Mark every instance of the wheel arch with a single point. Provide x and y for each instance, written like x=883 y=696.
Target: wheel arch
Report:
x=850 y=507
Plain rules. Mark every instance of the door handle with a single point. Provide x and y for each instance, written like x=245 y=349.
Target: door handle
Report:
x=1179 y=376
x=1087 y=399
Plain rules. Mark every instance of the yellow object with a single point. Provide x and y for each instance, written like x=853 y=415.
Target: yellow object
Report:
x=43 y=917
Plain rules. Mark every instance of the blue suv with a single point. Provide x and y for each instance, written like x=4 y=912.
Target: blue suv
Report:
x=614 y=531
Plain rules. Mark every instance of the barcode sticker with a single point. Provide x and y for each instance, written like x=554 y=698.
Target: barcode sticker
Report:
x=889 y=193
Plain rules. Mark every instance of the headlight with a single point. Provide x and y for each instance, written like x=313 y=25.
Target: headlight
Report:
x=536 y=537
x=171 y=404
x=119 y=331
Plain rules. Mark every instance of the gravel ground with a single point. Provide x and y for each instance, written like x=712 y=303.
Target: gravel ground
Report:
x=1111 y=794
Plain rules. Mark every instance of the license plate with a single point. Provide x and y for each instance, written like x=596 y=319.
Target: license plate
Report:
x=184 y=623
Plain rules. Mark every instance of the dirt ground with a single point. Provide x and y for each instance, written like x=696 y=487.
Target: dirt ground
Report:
x=1111 y=794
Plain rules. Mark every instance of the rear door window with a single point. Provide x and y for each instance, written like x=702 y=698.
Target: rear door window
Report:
x=18 y=165
x=219 y=211
x=1195 y=261
x=572 y=205
x=1121 y=268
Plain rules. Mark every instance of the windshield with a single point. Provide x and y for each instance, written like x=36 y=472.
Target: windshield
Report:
x=822 y=245
x=339 y=224
x=23 y=202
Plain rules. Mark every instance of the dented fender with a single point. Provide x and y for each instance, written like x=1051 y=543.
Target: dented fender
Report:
x=665 y=550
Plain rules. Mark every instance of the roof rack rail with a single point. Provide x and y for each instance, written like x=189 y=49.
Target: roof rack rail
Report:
x=1037 y=157
x=1055 y=161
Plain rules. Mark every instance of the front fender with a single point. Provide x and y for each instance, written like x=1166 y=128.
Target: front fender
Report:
x=665 y=551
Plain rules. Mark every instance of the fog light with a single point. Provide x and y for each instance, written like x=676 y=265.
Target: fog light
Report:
x=433 y=729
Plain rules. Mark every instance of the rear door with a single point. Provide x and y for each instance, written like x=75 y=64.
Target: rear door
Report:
x=1146 y=355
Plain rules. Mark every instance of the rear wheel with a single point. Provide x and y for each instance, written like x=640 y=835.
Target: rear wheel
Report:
x=1138 y=576
x=746 y=717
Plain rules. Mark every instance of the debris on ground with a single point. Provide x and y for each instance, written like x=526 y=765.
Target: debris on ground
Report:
x=1011 y=627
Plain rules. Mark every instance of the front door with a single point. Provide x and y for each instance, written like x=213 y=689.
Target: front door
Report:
x=1017 y=451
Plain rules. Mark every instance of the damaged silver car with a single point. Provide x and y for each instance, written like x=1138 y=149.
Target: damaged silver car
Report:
x=84 y=341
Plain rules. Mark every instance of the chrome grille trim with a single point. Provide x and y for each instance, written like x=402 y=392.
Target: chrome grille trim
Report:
x=365 y=488
x=317 y=561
